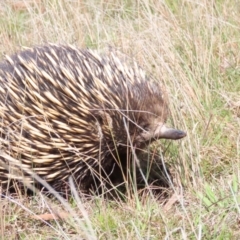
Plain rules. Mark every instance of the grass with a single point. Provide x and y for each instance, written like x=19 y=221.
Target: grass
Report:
x=193 y=47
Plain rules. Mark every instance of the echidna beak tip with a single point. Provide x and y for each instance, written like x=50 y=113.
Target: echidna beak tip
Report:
x=179 y=134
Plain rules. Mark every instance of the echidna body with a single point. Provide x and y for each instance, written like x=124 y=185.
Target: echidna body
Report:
x=66 y=111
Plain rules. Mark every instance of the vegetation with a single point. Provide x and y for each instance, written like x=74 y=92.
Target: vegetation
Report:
x=194 y=48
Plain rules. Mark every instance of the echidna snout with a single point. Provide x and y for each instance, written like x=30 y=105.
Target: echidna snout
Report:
x=71 y=112
x=162 y=131
x=171 y=133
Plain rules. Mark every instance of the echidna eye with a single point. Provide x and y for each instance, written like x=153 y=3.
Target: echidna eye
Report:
x=145 y=127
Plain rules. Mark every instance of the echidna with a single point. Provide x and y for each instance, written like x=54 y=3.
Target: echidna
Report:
x=66 y=111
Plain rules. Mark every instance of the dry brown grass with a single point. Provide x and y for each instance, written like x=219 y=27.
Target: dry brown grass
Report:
x=193 y=47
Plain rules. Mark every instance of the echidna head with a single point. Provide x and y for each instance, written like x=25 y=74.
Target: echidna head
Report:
x=152 y=118
x=154 y=128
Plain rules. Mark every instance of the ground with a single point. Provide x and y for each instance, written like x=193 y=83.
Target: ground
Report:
x=193 y=48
